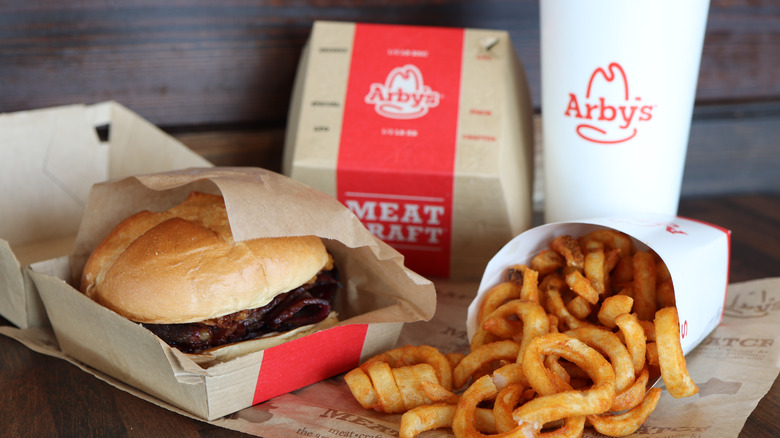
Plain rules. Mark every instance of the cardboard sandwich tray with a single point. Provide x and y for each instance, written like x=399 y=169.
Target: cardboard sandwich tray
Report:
x=424 y=132
x=49 y=159
x=379 y=294
x=696 y=253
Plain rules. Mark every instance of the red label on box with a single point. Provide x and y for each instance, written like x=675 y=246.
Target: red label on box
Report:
x=308 y=360
x=397 y=153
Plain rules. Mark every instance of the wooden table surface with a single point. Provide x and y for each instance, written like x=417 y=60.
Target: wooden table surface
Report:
x=44 y=396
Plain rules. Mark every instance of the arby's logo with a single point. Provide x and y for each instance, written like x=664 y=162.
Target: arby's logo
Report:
x=608 y=112
x=403 y=95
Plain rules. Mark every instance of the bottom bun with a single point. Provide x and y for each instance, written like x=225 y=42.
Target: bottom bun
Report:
x=224 y=353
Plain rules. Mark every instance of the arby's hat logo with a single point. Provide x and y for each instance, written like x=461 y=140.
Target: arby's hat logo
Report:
x=608 y=112
x=403 y=95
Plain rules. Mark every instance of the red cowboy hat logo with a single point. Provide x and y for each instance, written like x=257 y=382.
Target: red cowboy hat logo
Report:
x=403 y=95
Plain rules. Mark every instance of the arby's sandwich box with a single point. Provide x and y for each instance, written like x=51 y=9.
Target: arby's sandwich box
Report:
x=97 y=164
x=378 y=295
x=425 y=133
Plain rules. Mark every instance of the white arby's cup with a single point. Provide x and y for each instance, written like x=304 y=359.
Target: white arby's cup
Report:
x=696 y=253
x=618 y=87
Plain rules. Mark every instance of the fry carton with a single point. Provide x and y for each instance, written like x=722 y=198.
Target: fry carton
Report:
x=49 y=159
x=425 y=133
x=695 y=253
x=378 y=295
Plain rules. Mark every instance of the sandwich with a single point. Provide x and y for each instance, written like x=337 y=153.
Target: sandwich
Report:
x=180 y=274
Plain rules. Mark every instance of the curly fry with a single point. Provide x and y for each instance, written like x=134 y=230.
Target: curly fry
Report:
x=665 y=294
x=670 y=354
x=632 y=395
x=529 y=291
x=547 y=261
x=437 y=393
x=532 y=322
x=611 y=239
x=634 y=336
x=464 y=422
x=412 y=355
x=394 y=390
x=496 y=296
x=579 y=307
x=437 y=416
x=390 y=398
x=581 y=286
x=644 y=285
x=423 y=418
x=362 y=389
x=501 y=350
x=608 y=343
x=627 y=423
x=613 y=306
x=569 y=248
x=507 y=399
x=556 y=306
x=482 y=337
x=597 y=399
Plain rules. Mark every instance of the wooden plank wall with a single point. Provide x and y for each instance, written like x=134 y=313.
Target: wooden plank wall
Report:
x=218 y=74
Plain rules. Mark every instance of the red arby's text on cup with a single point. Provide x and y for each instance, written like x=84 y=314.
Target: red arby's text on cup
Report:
x=610 y=119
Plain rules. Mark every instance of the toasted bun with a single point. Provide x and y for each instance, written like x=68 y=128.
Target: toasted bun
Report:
x=182 y=265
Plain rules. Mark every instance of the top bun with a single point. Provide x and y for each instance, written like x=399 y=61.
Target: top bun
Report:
x=182 y=265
